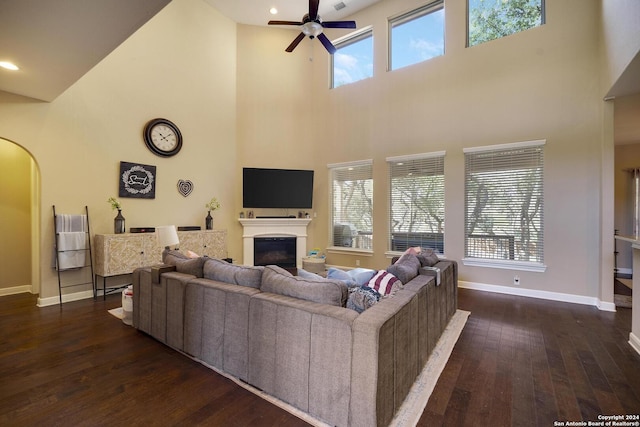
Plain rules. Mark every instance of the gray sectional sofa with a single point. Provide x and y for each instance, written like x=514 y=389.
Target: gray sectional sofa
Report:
x=293 y=337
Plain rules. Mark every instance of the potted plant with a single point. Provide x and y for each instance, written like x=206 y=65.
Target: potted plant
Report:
x=118 y=221
x=211 y=206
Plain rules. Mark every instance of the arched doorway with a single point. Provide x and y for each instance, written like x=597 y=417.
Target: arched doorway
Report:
x=20 y=211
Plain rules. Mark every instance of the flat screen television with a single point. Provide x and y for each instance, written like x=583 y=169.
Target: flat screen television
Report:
x=277 y=188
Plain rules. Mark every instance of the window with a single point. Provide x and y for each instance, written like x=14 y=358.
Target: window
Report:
x=416 y=36
x=353 y=59
x=504 y=203
x=492 y=19
x=352 y=205
x=416 y=202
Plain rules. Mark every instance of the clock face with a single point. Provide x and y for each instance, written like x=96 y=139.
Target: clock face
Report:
x=163 y=137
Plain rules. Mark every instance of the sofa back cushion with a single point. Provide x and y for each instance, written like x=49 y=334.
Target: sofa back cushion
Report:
x=183 y=264
x=222 y=271
x=324 y=291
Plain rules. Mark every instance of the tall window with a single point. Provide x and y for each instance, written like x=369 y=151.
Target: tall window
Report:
x=416 y=36
x=352 y=204
x=504 y=202
x=353 y=60
x=491 y=19
x=416 y=202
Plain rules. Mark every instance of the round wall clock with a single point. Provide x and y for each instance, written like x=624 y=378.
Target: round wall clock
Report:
x=162 y=137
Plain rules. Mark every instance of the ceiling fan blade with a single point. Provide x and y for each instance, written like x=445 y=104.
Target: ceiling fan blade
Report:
x=284 y=23
x=313 y=9
x=327 y=43
x=295 y=42
x=339 y=24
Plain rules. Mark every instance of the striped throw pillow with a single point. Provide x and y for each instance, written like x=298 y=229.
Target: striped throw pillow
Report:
x=383 y=282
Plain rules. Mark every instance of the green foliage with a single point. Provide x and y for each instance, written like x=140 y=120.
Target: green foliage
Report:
x=493 y=19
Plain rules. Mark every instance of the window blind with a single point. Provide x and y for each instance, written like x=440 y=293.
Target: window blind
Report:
x=352 y=205
x=416 y=202
x=504 y=202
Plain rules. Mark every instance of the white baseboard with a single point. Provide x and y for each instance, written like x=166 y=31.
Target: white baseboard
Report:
x=634 y=341
x=532 y=293
x=76 y=296
x=15 y=290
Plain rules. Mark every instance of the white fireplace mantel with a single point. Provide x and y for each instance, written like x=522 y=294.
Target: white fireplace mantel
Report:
x=274 y=227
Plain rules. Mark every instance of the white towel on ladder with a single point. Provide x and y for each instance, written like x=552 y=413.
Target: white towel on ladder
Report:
x=71 y=249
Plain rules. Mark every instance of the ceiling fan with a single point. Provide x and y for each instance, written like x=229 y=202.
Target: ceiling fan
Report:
x=312 y=26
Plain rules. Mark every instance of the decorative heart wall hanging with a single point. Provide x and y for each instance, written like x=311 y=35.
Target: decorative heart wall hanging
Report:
x=185 y=187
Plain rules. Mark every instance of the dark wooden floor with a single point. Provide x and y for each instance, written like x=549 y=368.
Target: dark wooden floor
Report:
x=519 y=361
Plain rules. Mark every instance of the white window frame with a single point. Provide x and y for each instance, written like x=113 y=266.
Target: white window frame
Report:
x=503 y=263
x=434 y=157
x=345 y=249
x=347 y=40
x=405 y=17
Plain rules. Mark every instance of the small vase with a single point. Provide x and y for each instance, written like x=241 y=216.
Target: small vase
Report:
x=208 y=221
x=118 y=223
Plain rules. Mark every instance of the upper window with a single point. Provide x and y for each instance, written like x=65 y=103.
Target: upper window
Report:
x=416 y=202
x=504 y=202
x=352 y=205
x=353 y=59
x=416 y=36
x=492 y=19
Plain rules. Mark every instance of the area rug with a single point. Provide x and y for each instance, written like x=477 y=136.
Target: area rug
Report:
x=415 y=402
x=117 y=312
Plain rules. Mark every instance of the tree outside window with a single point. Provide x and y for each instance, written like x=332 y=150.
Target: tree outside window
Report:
x=493 y=19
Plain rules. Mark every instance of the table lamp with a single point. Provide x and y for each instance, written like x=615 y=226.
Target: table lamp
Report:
x=167 y=236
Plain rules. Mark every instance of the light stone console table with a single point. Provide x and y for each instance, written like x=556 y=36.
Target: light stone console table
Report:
x=120 y=254
x=634 y=335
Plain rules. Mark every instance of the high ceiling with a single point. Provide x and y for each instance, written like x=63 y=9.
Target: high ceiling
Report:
x=257 y=13
x=56 y=42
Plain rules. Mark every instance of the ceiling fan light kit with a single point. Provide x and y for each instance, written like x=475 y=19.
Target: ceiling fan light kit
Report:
x=313 y=26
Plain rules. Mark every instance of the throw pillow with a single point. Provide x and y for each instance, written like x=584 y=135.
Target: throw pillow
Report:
x=361 y=275
x=385 y=283
x=337 y=274
x=361 y=298
x=405 y=268
x=308 y=275
x=428 y=257
x=185 y=265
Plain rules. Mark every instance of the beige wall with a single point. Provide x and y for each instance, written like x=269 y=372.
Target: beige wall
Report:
x=180 y=66
x=240 y=100
x=15 y=211
x=540 y=84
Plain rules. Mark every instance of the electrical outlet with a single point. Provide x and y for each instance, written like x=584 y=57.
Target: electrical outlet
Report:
x=516 y=280
x=357 y=263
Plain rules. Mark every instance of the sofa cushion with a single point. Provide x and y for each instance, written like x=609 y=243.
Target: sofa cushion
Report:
x=385 y=283
x=185 y=265
x=362 y=297
x=324 y=291
x=222 y=271
x=428 y=257
x=405 y=268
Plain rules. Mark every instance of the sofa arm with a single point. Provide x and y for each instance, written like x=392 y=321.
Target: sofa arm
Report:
x=157 y=270
x=385 y=358
x=432 y=271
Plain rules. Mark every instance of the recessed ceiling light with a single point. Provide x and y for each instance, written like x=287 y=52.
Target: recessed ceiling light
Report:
x=273 y=11
x=9 y=66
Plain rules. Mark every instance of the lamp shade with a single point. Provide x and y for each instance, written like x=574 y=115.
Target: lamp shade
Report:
x=167 y=235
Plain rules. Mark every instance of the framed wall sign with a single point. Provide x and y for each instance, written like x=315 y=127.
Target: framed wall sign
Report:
x=138 y=181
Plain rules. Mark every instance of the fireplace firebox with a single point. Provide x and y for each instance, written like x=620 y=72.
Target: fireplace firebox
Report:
x=280 y=251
